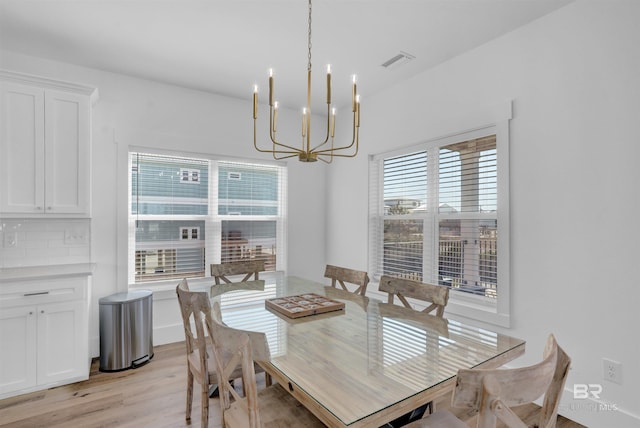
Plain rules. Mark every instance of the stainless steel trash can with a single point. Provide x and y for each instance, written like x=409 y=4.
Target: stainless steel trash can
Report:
x=126 y=330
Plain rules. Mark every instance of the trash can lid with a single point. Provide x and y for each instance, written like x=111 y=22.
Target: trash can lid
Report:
x=128 y=296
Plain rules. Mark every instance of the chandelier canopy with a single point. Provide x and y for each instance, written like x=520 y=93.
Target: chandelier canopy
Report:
x=307 y=153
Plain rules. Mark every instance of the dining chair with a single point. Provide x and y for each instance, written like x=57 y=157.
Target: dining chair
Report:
x=492 y=393
x=272 y=406
x=247 y=268
x=200 y=367
x=341 y=275
x=437 y=295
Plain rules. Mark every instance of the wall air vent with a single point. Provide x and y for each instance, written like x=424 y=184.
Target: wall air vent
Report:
x=398 y=60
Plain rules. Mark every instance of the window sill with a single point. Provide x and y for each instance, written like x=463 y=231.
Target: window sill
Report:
x=486 y=314
x=166 y=289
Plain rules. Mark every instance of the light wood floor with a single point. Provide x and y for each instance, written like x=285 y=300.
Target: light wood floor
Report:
x=150 y=396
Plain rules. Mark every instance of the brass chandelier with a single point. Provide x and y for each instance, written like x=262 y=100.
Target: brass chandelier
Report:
x=307 y=153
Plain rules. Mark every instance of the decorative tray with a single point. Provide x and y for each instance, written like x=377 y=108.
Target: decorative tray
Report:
x=303 y=305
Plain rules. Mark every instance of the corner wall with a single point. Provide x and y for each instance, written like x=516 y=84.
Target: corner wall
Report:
x=573 y=79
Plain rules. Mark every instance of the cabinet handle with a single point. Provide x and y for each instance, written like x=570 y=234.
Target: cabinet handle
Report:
x=49 y=208
x=42 y=311
x=30 y=312
x=39 y=293
x=38 y=208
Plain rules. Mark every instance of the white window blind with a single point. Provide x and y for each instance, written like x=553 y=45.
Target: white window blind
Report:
x=185 y=213
x=434 y=214
x=163 y=205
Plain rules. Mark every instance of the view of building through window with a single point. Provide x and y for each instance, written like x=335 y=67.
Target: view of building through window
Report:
x=186 y=213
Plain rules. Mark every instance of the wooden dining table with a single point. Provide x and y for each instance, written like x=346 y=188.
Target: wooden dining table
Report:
x=364 y=365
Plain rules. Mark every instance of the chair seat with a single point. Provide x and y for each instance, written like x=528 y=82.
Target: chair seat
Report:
x=278 y=409
x=439 y=419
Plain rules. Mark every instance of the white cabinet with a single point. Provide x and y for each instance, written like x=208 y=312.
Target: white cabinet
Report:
x=44 y=334
x=45 y=146
x=18 y=352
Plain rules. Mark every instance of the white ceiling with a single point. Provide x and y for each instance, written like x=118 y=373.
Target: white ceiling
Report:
x=225 y=46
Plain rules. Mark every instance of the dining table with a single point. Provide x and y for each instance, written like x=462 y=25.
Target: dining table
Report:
x=366 y=363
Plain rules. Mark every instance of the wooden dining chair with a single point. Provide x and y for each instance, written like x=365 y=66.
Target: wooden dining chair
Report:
x=247 y=268
x=340 y=275
x=492 y=393
x=200 y=367
x=437 y=295
x=272 y=406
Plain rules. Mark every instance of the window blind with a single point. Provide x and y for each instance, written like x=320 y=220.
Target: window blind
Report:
x=169 y=200
x=251 y=200
x=433 y=215
x=186 y=213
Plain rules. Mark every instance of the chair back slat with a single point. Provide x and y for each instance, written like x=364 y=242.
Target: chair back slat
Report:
x=343 y=276
x=249 y=268
x=437 y=295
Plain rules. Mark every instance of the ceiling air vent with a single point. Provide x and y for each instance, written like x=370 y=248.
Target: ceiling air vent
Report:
x=398 y=60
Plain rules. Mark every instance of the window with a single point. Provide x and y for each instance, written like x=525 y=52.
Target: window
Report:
x=177 y=229
x=435 y=217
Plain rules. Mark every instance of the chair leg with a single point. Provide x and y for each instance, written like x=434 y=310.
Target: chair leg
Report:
x=204 y=396
x=267 y=379
x=189 y=394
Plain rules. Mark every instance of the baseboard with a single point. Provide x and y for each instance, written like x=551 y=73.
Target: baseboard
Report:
x=168 y=334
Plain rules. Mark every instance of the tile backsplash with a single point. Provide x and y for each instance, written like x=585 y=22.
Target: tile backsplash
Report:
x=35 y=242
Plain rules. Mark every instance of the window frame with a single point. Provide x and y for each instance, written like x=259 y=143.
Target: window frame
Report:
x=493 y=311
x=212 y=221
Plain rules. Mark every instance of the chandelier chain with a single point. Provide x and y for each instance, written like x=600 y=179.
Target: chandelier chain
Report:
x=309 y=44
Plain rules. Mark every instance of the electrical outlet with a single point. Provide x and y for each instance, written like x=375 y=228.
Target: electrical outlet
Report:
x=612 y=370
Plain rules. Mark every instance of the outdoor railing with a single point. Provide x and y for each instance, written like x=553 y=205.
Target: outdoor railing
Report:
x=404 y=259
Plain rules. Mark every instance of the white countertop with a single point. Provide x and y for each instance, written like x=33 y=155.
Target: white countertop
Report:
x=35 y=272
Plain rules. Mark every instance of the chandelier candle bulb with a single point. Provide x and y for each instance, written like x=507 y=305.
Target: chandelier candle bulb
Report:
x=270 y=86
x=275 y=116
x=255 y=101
x=328 y=83
x=333 y=122
x=304 y=121
x=353 y=94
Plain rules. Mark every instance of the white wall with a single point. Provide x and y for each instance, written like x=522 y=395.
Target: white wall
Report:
x=137 y=112
x=574 y=78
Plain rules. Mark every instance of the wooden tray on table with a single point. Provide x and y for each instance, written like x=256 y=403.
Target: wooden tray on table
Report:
x=303 y=305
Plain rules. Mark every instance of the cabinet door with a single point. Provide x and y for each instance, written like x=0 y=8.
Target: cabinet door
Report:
x=18 y=349
x=67 y=153
x=62 y=342
x=21 y=149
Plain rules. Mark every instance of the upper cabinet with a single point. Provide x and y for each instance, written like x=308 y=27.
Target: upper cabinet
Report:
x=45 y=147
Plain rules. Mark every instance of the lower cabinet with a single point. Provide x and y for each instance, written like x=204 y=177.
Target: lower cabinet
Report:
x=44 y=344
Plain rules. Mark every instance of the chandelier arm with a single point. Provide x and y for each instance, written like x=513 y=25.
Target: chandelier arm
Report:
x=326 y=161
x=354 y=140
x=292 y=151
x=283 y=157
x=326 y=139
